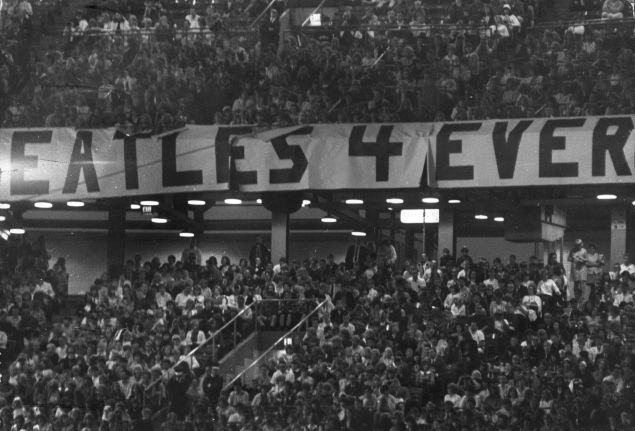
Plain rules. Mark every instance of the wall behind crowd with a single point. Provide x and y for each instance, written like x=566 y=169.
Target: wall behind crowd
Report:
x=85 y=251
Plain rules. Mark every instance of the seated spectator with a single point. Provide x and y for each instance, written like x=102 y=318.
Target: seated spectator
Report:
x=613 y=9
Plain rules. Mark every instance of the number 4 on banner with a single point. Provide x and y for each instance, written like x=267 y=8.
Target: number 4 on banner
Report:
x=382 y=149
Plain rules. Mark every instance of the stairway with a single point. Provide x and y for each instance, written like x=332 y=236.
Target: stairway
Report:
x=251 y=374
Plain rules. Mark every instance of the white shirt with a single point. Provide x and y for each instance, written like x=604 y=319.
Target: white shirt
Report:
x=162 y=299
x=477 y=336
x=492 y=282
x=532 y=300
x=193 y=20
x=455 y=399
x=200 y=338
x=46 y=288
x=182 y=298
x=288 y=376
x=548 y=288
x=630 y=268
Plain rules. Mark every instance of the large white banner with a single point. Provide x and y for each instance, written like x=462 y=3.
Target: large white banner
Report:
x=63 y=164
x=533 y=152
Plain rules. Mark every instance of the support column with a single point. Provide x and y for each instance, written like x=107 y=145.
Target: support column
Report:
x=446 y=231
x=116 y=241
x=411 y=252
x=618 y=234
x=279 y=235
x=539 y=251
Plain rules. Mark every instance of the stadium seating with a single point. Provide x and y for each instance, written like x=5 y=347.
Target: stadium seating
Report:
x=418 y=345
x=162 y=68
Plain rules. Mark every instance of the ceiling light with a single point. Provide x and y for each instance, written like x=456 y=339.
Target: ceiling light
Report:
x=159 y=220
x=43 y=205
x=196 y=202
x=354 y=202
x=149 y=203
x=499 y=219
x=480 y=217
x=329 y=219
x=259 y=201
x=454 y=201
x=606 y=197
x=2 y=218
x=233 y=201
x=394 y=201
x=389 y=208
x=186 y=235
x=16 y=231
x=430 y=200
x=356 y=233
x=4 y=206
x=135 y=206
x=75 y=204
x=305 y=203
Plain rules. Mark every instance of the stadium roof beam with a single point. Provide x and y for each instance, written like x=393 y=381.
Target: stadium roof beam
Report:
x=342 y=213
x=169 y=209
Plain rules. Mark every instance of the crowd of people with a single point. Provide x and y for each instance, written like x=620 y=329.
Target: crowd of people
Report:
x=458 y=343
x=30 y=293
x=145 y=69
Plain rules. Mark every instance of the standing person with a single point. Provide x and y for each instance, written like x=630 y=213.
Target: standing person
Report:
x=177 y=388
x=627 y=266
x=465 y=256
x=595 y=264
x=213 y=384
x=259 y=250
x=356 y=253
x=578 y=257
x=270 y=29
x=446 y=261
x=192 y=250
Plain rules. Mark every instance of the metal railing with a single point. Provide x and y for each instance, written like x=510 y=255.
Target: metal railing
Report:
x=232 y=321
x=258 y=314
x=304 y=320
x=259 y=17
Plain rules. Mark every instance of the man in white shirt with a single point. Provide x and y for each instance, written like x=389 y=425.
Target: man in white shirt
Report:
x=194 y=336
x=627 y=266
x=492 y=281
x=162 y=297
x=183 y=297
x=283 y=371
x=622 y=294
x=45 y=287
x=477 y=334
x=193 y=19
x=578 y=259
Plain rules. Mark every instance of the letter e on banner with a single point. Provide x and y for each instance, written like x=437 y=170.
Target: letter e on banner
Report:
x=446 y=146
x=20 y=162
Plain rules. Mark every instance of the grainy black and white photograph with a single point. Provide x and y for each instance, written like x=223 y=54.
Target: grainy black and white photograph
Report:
x=317 y=215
